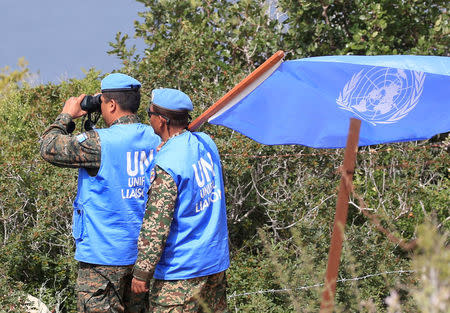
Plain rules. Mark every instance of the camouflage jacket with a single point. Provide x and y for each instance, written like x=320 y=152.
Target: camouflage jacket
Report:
x=61 y=148
x=156 y=224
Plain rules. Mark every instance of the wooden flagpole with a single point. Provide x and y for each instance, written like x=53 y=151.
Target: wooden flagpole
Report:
x=340 y=218
x=263 y=68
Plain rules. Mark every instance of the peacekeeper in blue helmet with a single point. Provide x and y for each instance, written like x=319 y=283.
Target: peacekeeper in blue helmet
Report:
x=183 y=242
x=112 y=191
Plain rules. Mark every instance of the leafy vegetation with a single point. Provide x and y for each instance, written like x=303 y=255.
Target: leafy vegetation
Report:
x=280 y=199
x=12 y=78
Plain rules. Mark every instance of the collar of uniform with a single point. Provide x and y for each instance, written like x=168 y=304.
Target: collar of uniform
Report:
x=127 y=119
x=176 y=134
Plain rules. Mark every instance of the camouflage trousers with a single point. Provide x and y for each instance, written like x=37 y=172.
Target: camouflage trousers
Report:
x=202 y=294
x=102 y=289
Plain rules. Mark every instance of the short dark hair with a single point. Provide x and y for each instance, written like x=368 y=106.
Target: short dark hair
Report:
x=128 y=100
x=176 y=118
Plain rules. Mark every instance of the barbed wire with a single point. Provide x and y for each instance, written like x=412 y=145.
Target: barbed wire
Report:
x=325 y=152
x=234 y=295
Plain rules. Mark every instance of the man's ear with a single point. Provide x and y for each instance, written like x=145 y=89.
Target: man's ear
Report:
x=162 y=121
x=113 y=106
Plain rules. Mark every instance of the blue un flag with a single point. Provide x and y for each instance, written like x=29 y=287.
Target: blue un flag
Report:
x=310 y=101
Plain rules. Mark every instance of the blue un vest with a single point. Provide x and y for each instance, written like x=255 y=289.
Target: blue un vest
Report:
x=197 y=244
x=109 y=207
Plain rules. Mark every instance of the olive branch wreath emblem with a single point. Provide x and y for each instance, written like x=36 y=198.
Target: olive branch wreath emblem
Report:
x=343 y=101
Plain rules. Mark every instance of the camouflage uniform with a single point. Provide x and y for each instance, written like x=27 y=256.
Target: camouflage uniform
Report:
x=60 y=148
x=201 y=294
x=100 y=288
x=103 y=288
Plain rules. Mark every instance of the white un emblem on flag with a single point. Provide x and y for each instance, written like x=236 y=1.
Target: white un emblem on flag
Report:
x=382 y=95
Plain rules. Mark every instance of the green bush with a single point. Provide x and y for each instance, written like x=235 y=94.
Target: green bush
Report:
x=36 y=250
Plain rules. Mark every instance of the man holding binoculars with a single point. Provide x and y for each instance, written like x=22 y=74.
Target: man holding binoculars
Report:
x=112 y=190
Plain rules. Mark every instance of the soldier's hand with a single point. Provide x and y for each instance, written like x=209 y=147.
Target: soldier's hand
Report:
x=138 y=286
x=73 y=107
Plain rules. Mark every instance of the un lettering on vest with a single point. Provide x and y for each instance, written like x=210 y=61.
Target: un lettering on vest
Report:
x=137 y=163
x=204 y=174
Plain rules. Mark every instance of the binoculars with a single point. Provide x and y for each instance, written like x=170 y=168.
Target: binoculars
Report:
x=91 y=103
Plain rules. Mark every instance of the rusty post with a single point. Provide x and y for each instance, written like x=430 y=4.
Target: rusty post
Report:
x=340 y=218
